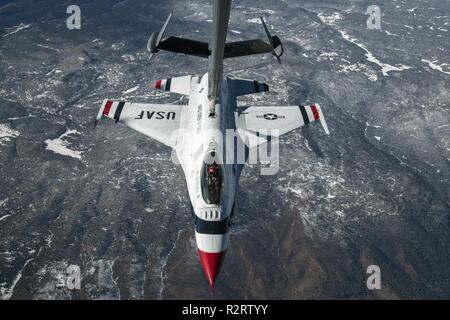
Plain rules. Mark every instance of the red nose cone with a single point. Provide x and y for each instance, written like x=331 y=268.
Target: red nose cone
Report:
x=211 y=263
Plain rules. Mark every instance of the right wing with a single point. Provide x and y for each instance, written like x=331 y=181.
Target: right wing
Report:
x=258 y=123
x=157 y=121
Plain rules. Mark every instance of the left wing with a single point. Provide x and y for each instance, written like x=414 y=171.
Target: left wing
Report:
x=157 y=121
x=258 y=123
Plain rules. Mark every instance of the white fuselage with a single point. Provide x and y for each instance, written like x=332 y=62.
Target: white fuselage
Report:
x=200 y=135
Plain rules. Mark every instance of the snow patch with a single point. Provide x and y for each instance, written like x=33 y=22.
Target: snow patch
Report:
x=390 y=34
x=439 y=67
x=130 y=90
x=59 y=146
x=6 y=293
x=254 y=20
x=358 y=67
x=328 y=55
x=330 y=19
x=385 y=68
x=4 y=217
x=16 y=29
x=6 y=134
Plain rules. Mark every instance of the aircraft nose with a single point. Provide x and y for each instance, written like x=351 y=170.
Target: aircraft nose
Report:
x=211 y=262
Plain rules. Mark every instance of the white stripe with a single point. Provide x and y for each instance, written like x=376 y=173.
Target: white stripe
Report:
x=100 y=112
x=211 y=243
x=163 y=84
x=309 y=113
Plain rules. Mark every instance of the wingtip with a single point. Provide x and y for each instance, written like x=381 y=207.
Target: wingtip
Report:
x=322 y=119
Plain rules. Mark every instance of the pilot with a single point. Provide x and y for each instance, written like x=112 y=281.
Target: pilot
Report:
x=214 y=182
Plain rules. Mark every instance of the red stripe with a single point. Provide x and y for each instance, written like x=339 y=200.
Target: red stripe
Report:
x=158 y=84
x=315 y=112
x=107 y=108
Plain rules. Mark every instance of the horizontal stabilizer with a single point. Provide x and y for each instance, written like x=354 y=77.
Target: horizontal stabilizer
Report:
x=180 y=85
x=243 y=87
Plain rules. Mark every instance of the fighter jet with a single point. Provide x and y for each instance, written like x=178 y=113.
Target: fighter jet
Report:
x=212 y=178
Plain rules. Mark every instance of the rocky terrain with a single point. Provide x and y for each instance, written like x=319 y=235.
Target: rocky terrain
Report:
x=376 y=191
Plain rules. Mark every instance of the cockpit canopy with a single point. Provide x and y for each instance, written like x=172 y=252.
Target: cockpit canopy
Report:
x=212 y=182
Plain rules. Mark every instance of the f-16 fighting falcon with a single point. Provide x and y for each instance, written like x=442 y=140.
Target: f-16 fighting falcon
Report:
x=212 y=179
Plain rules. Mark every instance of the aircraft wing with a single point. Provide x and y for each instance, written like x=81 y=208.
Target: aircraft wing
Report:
x=157 y=121
x=254 y=120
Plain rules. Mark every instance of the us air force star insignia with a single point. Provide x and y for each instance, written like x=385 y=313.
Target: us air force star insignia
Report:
x=270 y=116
